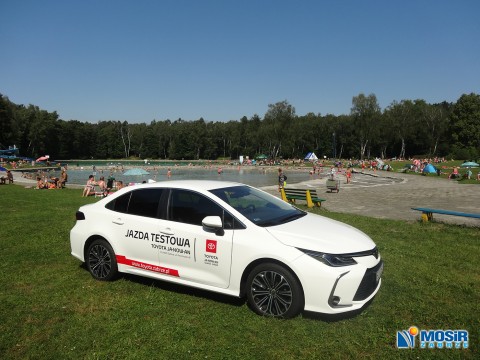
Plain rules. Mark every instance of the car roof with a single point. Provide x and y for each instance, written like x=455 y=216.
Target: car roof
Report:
x=204 y=185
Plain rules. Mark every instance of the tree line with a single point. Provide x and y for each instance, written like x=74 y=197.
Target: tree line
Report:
x=404 y=129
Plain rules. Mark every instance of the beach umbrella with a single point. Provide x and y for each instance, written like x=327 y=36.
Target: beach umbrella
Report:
x=42 y=158
x=135 y=172
x=469 y=164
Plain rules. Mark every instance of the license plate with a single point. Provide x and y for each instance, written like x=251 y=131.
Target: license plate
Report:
x=380 y=272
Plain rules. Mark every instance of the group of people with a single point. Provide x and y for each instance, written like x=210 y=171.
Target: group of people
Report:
x=104 y=187
x=469 y=174
x=455 y=174
x=52 y=182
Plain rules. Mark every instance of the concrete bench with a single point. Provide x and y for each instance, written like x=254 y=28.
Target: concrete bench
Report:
x=308 y=195
x=427 y=213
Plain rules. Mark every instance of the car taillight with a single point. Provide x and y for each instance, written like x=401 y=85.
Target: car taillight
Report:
x=80 y=215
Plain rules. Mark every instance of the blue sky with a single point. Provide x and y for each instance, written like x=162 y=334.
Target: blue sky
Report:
x=221 y=60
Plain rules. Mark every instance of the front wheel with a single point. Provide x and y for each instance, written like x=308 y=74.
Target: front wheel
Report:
x=101 y=260
x=273 y=291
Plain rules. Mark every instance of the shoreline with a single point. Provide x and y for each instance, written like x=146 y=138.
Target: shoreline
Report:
x=383 y=195
x=116 y=170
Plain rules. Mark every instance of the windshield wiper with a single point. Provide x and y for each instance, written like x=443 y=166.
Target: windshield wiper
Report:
x=279 y=221
x=268 y=223
x=293 y=217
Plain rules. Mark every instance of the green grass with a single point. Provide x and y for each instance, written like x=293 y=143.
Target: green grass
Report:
x=52 y=307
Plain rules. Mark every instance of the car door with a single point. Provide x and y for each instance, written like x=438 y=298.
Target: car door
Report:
x=200 y=255
x=135 y=223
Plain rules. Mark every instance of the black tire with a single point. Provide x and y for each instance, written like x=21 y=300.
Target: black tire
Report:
x=273 y=291
x=101 y=261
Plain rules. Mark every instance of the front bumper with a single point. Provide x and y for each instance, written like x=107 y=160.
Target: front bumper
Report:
x=333 y=290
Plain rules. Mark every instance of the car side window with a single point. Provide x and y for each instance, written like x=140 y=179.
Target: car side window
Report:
x=119 y=204
x=141 y=202
x=191 y=208
x=144 y=202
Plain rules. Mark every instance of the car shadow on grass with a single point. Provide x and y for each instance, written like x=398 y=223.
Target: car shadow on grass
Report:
x=184 y=290
x=179 y=289
x=226 y=299
x=231 y=300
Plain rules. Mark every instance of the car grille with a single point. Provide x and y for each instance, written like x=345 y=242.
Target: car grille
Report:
x=369 y=283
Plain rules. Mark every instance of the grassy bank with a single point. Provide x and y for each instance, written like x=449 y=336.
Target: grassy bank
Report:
x=52 y=308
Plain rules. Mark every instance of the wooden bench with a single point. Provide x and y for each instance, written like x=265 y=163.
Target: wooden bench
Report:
x=427 y=213
x=308 y=195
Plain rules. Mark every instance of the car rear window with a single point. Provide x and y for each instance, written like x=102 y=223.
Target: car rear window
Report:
x=141 y=202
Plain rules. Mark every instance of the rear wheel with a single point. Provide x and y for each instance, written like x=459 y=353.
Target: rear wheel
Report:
x=273 y=291
x=101 y=261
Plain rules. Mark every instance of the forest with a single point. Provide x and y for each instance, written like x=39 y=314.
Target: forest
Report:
x=404 y=129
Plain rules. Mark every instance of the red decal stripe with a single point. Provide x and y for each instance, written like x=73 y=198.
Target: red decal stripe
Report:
x=141 y=265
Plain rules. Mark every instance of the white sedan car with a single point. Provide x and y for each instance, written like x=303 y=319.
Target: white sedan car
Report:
x=233 y=239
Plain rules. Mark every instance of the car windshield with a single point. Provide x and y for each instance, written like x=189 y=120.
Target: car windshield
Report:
x=257 y=206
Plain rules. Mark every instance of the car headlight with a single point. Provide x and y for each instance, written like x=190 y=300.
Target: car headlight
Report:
x=331 y=259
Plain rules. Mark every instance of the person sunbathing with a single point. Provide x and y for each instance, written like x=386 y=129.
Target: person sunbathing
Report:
x=103 y=186
x=40 y=183
x=63 y=179
x=90 y=187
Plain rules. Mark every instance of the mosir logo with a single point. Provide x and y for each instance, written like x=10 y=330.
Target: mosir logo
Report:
x=432 y=339
x=211 y=246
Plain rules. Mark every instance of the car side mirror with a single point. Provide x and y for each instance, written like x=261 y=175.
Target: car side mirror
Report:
x=213 y=224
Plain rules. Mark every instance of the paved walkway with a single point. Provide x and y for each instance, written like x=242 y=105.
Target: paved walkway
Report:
x=390 y=195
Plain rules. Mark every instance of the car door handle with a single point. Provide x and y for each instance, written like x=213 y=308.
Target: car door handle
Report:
x=118 y=221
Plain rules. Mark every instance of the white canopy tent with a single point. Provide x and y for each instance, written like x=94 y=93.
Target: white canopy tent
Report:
x=311 y=156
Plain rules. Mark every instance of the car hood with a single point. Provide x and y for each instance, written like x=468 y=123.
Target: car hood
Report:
x=318 y=233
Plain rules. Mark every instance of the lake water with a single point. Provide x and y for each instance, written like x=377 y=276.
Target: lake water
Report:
x=257 y=177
